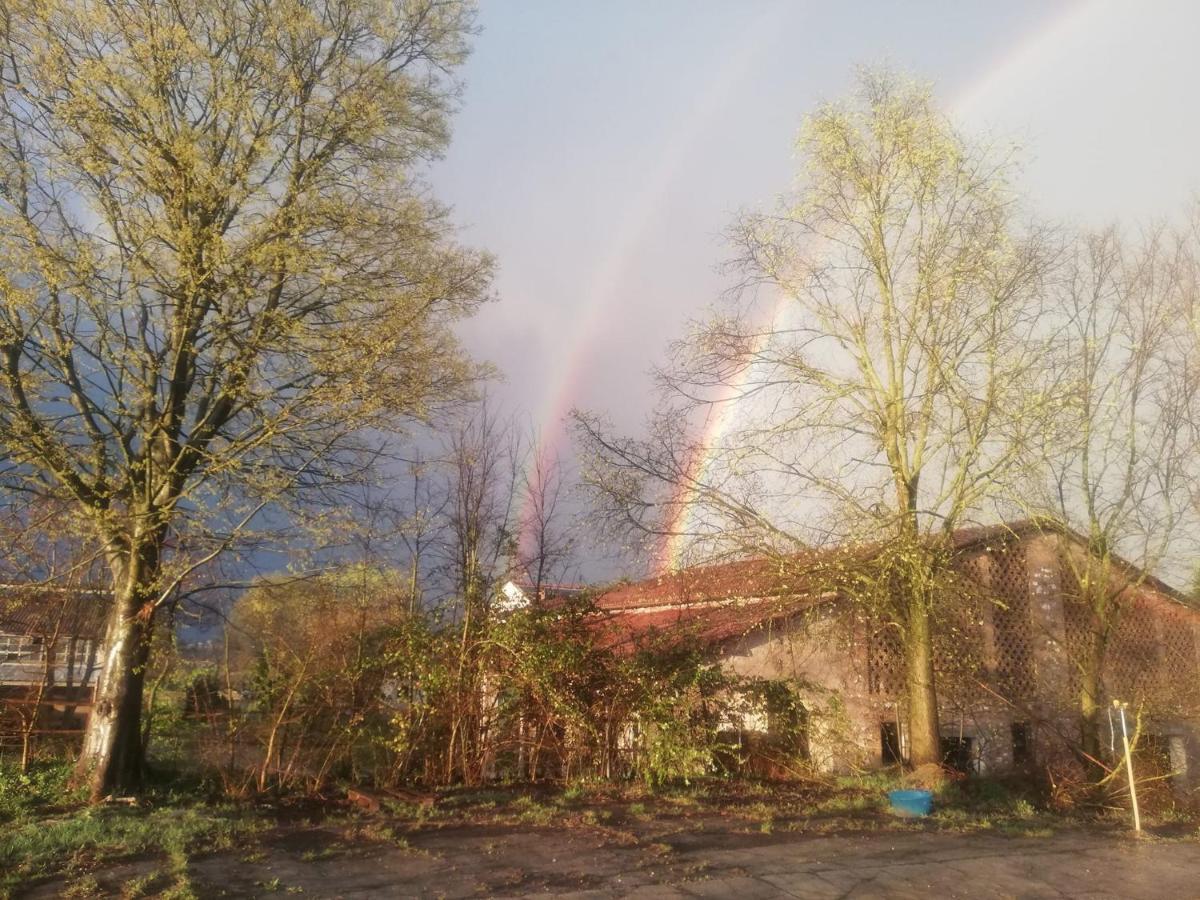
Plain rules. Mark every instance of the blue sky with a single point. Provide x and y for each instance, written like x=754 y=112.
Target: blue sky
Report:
x=603 y=146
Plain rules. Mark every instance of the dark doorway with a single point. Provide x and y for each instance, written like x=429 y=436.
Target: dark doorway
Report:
x=889 y=744
x=1022 y=744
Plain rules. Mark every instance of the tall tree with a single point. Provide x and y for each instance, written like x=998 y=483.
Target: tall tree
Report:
x=218 y=266
x=1120 y=455
x=884 y=402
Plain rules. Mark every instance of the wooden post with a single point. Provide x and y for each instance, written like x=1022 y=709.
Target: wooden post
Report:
x=1137 y=819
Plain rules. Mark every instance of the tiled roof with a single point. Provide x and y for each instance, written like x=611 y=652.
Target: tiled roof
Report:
x=705 y=623
x=711 y=604
x=741 y=578
x=715 y=603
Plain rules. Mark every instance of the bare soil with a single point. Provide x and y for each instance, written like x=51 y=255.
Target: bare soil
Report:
x=511 y=844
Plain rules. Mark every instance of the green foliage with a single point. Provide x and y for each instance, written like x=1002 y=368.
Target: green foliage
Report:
x=26 y=794
x=359 y=688
x=613 y=705
x=47 y=831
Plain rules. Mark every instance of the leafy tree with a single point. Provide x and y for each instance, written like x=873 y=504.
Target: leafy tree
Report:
x=219 y=268
x=887 y=400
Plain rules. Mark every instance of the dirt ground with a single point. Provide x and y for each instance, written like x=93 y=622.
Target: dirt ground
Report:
x=512 y=860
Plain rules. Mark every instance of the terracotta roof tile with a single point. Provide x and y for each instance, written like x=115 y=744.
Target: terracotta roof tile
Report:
x=714 y=603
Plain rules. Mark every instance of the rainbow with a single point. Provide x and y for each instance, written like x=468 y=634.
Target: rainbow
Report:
x=1008 y=72
x=1001 y=74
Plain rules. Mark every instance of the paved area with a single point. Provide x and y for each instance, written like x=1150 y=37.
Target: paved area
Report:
x=510 y=861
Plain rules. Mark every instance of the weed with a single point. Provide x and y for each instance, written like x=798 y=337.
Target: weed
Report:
x=572 y=793
x=324 y=853
x=83 y=888
x=531 y=812
x=595 y=817
x=142 y=886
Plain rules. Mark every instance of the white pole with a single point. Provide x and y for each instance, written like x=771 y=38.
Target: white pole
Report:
x=1137 y=819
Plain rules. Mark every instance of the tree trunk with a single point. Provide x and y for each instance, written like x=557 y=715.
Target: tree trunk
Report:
x=112 y=760
x=915 y=581
x=924 y=741
x=1090 y=698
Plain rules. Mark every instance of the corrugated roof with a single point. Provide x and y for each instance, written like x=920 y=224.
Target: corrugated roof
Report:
x=36 y=610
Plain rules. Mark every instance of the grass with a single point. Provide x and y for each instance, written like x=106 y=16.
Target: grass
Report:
x=530 y=811
x=46 y=830
x=832 y=805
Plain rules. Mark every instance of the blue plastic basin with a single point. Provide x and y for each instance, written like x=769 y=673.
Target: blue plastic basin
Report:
x=912 y=802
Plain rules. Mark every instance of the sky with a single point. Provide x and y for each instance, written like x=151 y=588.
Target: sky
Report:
x=602 y=148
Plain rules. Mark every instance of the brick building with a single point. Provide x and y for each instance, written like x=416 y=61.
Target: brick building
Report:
x=1007 y=654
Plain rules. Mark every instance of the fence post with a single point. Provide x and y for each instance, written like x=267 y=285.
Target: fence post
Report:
x=1137 y=819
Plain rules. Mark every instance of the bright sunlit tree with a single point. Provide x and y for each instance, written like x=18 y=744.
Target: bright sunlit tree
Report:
x=891 y=395
x=218 y=269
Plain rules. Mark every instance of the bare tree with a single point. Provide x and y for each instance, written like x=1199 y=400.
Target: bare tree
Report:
x=484 y=470
x=420 y=530
x=545 y=546
x=886 y=401
x=1119 y=456
x=219 y=268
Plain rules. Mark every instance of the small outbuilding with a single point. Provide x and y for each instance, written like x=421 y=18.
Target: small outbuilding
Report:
x=50 y=643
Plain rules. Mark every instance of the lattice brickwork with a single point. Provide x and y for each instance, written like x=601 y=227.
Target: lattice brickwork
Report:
x=1178 y=682
x=1151 y=658
x=885 y=660
x=1013 y=627
x=958 y=647
x=959 y=651
x=1133 y=659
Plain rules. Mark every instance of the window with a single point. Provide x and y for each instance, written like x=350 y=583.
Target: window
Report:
x=1022 y=744
x=80 y=648
x=889 y=744
x=958 y=753
x=746 y=713
x=1177 y=751
x=20 y=648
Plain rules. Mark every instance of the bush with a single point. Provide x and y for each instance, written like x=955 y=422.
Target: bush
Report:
x=23 y=795
x=333 y=681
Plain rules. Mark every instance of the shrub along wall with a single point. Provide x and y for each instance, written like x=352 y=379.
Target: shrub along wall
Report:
x=333 y=681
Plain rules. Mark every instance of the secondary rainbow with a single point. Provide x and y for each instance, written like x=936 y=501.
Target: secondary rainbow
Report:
x=1016 y=63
